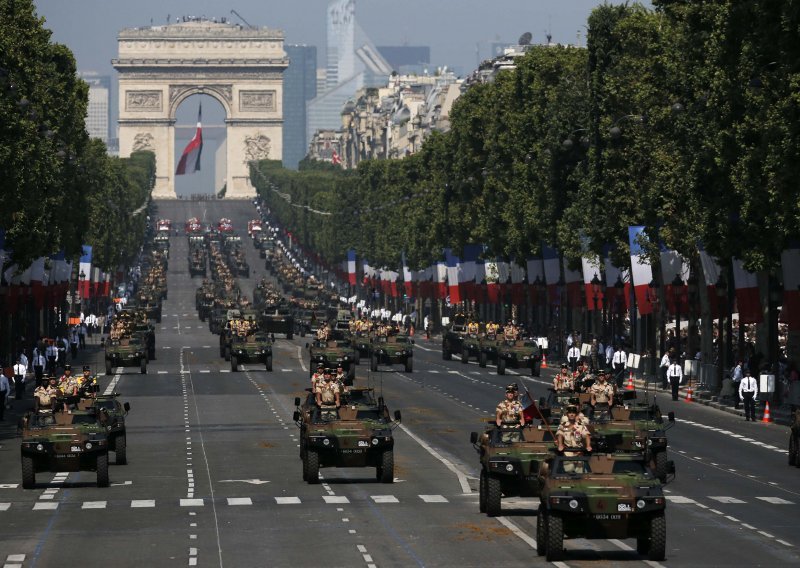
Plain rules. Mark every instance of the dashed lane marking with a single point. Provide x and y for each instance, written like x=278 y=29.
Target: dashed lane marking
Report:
x=434 y=498
x=385 y=499
x=143 y=503
x=775 y=500
x=240 y=501
x=287 y=500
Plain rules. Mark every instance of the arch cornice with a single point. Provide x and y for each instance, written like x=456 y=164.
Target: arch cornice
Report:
x=179 y=93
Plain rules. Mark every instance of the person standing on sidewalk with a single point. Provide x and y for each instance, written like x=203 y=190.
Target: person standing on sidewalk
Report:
x=675 y=375
x=39 y=363
x=19 y=379
x=748 y=391
x=736 y=377
x=4 y=390
x=665 y=361
x=619 y=361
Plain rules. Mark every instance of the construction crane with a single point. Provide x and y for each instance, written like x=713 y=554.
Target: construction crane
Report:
x=238 y=15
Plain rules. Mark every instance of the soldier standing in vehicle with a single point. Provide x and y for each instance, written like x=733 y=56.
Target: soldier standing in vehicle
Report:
x=328 y=396
x=317 y=378
x=509 y=411
x=472 y=327
x=340 y=378
x=602 y=393
x=563 y=382
x=573 y=438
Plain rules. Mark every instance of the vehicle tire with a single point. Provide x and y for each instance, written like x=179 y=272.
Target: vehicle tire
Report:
x=227 y=354
x=482 y=492
x=794 y=450
x=446 y=355
x=494 y=492
x=482 y=360
x=536 y=369
x=269 y=363
x=143 y=366
x=158 y=318
x=373 y=363
x=358 y=357
x=102 y=470
x=657 y=547
x=465 y=356
x=386 y=469
x=290 y=336
x=234 y=364
x=541 y=532
x=28 y=473
x=661 y=466
x=109 y=370
x=312 y=467
x=554 y=542
x=121 y=450
x=409 y=365
x=501 y=366
x=151 y=354
x=302 y=332
x=202 y=317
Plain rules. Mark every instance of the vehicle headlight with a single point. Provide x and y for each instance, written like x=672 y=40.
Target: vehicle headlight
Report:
x=637 y=444
x=108 y=428
x=640 y=504
x=39 y=447
x=509 y=467
x=649 y=442
x=573 y=504
x=88 y=445
x=375 y=441
x=326 y=442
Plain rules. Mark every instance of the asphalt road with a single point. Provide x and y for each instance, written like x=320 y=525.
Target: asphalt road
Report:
x=214 y=477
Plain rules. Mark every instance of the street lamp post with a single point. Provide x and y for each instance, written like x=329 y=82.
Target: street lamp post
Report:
x=619 y=301
x=538 y=290
x=596 y=284
x=650 y=348
x=722 y=312
x=677 y=285
x=692 y=291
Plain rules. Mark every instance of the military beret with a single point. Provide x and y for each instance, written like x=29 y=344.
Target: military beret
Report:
x=512 y=388
x=87 y=368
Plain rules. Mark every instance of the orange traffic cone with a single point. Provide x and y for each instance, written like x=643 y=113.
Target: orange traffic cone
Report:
x=689 y=393
x=767 y=416
x=544 y=361
x=630 y=386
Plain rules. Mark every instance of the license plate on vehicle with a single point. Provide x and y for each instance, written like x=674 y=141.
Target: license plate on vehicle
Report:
x=363 y=444
x=66 y=455
x=607 y=517
x=624 y=507
x=353 y=451
x=75 y=449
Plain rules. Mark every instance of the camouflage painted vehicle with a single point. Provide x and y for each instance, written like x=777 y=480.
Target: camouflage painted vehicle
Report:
x=470 y=347
x=794 y=440
x=362 y=342
x=63 y=441
x=489 y=350
x=126 y=352
x=115 y=427
x=358 y=434
x=453 y=338
x=510 y=460
x=639 y=429
x=217 y=319
x=392 y=350
x=308 y=321
x=278 y=319
x=253 y=348
x=337 y=350
x=607 y=496
x=519 y=354
x=237 y=321
x=197 y=263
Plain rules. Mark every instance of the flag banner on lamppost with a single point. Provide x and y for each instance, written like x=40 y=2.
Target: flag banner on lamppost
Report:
x=535 y=270
x=468 y=267
x=619 y=295
x=672 y=265
x=351 y=267
x=711 y=274
x=573 y=280
x=641 y=270
x=552 y=273
x=748 y=302
x=453 y=276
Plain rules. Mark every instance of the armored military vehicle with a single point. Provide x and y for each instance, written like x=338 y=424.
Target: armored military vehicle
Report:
x=794 y=440
x=278 y=319
x=519 y=354
x=62 y=441
x=470 y=347
x=126 y=352
x=358 y=434
x=115 y=425
x=608 y=496
x=510 y=460
x=392 y=350
x=252 y=348
x=336 y=350
x=197 y=263
x=452 y=340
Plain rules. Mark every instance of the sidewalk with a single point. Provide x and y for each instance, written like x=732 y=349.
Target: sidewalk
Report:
x=780 y=415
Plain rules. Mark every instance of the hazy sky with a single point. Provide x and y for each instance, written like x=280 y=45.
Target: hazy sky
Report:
x=457 y=31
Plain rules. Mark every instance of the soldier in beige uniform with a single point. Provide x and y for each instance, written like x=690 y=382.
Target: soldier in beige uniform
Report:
x=602 y=393
x=573 y=439
x=328 y=397
x=563 y=381
x=508 y=414
x=317 y=378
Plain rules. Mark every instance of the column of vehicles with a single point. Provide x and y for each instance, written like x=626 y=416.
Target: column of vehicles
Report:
x=505 y=347
x=613 y=492
x=132 y=341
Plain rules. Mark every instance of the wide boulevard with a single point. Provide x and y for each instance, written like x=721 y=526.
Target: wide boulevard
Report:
x=214 y=476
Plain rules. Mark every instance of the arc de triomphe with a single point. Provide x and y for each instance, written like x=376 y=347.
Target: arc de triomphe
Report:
x=242 y=68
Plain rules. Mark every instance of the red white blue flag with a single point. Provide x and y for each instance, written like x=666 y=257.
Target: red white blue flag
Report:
x=190 y=159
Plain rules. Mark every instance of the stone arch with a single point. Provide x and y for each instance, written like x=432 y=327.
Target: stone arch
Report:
x=223 y=94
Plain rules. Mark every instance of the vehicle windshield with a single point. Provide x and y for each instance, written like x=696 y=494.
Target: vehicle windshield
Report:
x=628 y=467
x=84 y=419
x=642 y=415
x=107 y=404
x=369 y=414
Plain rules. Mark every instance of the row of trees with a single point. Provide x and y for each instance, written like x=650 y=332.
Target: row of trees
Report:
x=59 y=189
x=684 y=119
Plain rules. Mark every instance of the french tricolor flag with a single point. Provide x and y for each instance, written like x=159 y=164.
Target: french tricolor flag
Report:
x=85 y=267
x=190 y=159
x=351 y=267
x=441 y=279
x=790 y=262
x=573 y=279
x=408 y=277
x=711 y=273
x=535 y=271
x=747 y=299
x=552 y=273
x=471 y=255
x=453 y=270
x=641 y=271
x=672 y=265
x=616 y=296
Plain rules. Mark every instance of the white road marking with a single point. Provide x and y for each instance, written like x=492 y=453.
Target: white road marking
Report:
x=679 y=499
x=15 y=558
x=113 y=384
x=384 y=498
x=163 y=372
x=462 y=477
x=5 y=506
x=9 y=485
x=338 y=499
x=287 y=500
x=300 y=358
x=775 y=500
x=191 y=503
x=723 y=499
x=434 y=498
x=45 y=506
x=240 y=501
x=143 y=503
x=93 y=505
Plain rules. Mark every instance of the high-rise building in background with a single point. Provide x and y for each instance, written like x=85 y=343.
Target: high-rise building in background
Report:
x=299 y=87
x=353 y=62
x=406 y=59
x=97 y=116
